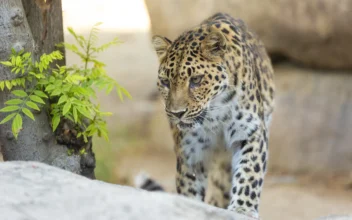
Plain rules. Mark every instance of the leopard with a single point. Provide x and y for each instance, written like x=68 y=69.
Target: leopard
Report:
x=216 y=81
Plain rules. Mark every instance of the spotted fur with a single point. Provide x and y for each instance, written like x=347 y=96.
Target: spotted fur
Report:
x=217 y=83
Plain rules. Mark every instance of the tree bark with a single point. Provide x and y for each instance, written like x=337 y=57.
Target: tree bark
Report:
x=35 y=26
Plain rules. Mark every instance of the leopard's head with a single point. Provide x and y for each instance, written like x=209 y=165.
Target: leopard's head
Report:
x=191 y=74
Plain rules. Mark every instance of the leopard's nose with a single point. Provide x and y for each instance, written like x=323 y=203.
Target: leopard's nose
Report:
x=179 y=114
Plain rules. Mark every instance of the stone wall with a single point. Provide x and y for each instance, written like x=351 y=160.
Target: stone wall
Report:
x=312 y=121
x=315 y=32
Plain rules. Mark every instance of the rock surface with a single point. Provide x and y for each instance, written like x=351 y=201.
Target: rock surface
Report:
x=316 y=33
x=311 y=121
x=36 y=191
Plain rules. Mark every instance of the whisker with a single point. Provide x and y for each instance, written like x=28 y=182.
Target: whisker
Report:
x=205 y=118
x=220 y=106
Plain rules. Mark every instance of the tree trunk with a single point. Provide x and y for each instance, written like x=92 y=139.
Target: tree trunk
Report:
x=35 y=26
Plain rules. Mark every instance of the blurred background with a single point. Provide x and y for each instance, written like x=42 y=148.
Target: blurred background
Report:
x=310 y=42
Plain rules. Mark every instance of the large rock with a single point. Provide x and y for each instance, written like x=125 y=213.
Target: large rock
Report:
x=32 y=190
x=316 y=32
x=311 y=129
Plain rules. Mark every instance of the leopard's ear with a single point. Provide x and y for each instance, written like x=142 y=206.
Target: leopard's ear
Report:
x=214 y=44
x=161 y=44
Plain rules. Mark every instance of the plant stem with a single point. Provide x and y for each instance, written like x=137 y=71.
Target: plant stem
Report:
x=87 y=53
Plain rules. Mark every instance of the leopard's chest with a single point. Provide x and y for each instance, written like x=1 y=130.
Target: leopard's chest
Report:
x=225 y=125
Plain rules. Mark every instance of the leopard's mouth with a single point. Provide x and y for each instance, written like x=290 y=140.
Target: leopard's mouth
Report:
x=192 y=121
x=182 y=124
x=200 y=117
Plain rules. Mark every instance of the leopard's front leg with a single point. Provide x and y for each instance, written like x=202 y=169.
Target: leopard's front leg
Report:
x=191 y=175
x=191 y=180
x=249 y=167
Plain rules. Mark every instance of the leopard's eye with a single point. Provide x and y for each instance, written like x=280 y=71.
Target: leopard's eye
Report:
x=165 y=82
x=195 y=81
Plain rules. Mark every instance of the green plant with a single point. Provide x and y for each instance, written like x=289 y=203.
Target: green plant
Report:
x=68 y=90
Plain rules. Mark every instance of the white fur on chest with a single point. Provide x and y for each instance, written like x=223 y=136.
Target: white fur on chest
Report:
x=221 y=130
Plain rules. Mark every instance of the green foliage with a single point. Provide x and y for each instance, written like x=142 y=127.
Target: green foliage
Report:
x=69 y=90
